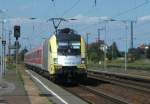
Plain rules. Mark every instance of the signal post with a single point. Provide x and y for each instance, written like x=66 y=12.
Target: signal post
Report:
x=17 y=35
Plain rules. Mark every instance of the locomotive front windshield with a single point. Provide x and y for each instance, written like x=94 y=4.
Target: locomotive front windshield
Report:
x=69 y=48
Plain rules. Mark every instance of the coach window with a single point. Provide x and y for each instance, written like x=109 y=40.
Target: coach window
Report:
x=38 y=53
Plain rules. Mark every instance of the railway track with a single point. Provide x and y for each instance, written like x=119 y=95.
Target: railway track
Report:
x=122 y=80
x=114 y=89
x=99 y=91
x=93 y=96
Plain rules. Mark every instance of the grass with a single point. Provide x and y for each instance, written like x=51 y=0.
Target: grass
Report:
x=19 y=76
x=11 y=66
x=18 y=73
x=139 y=64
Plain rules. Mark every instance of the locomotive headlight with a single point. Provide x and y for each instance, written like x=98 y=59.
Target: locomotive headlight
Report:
x=55 y=61
x=83 y=61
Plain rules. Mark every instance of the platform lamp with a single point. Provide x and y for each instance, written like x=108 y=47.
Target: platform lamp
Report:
x=125 y=23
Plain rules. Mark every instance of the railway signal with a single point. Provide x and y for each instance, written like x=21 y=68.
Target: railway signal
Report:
x=3 y=42
x=17 y=45
x=16 y=31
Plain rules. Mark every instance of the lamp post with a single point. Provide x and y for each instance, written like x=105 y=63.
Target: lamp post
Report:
x=105 y=47
x=33 y=29
x=126 y=41
x=33 y=24
x=3 y=42
x=125 y=23
x=9 y=49
x=27 y=38
x=105 y=44
x=126 y=44
x=3 y=62
x=87 y=39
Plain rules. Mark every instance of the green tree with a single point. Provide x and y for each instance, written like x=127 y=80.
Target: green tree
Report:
x=113 y=51
x=148 y=52
x=95 y=54
x=22 y=53
x=109 y=53
x=136 y=53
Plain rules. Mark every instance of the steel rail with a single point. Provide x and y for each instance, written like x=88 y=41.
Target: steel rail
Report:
x=115 y=99
x=3 y=102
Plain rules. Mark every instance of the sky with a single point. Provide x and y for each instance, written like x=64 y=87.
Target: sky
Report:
x=89 y=17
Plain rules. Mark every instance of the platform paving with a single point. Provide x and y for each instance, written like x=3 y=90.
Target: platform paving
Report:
x=16 y=87
x=12 y=89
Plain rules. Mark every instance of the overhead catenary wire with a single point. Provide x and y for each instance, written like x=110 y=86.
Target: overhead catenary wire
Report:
x=73 y=6
x=142 y=24
x=54 y=8
x=131 y=9
x=122 y=13
x=115 y=16
x=95 y=2
x=68 y=10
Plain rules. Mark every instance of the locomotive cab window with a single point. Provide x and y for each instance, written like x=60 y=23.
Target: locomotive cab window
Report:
x=69 y=48
x=75 y=45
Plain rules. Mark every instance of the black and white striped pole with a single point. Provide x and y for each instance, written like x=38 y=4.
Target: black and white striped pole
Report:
x=3 y=42
x=3 y=45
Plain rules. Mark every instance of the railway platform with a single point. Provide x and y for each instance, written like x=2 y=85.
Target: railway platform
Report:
x=12 y=89
x=16 y=87
x=57 y=94
x=23 y=86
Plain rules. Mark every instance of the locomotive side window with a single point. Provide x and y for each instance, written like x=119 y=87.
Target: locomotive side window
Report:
x=50 y=48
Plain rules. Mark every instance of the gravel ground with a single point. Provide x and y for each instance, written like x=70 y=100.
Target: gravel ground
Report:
x=133 y=96
x=130 y=95
x=88 y=96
